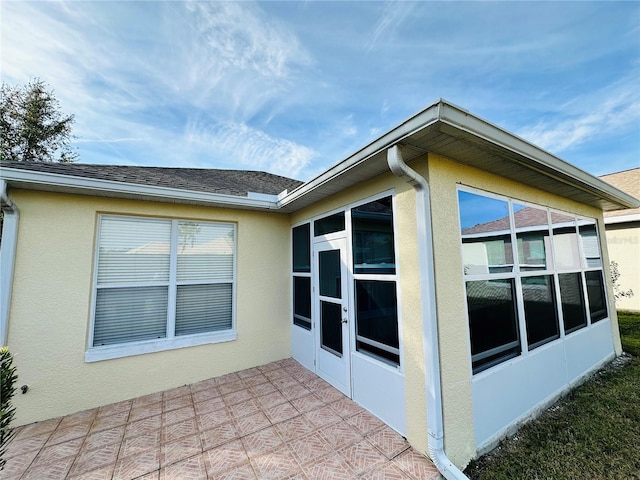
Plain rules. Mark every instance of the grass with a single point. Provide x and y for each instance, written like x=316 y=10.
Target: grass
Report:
x=593 y=433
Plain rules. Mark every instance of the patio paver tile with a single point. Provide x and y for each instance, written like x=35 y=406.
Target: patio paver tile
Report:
x=276 y=421
x=137 y=465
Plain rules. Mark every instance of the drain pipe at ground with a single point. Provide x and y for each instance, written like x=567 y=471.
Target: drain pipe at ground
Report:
x=7 y=258
x=435 y=437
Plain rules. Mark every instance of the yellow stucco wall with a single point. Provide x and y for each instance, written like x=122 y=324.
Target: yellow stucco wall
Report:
x=444 y=176
x=623 y=241
x=51 y=303
x=409 y=300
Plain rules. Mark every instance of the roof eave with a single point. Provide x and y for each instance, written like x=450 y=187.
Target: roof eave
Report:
x=90 y=186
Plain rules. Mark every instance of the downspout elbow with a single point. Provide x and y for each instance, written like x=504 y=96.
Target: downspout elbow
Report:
x=435 y=437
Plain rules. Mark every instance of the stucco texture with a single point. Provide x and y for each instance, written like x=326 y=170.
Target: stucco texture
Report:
x=623 y=241
x=51 y=305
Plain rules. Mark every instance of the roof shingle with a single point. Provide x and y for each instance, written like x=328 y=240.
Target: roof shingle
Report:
x=226 y=182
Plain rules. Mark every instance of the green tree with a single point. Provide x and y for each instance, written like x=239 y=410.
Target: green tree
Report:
x=32 y=127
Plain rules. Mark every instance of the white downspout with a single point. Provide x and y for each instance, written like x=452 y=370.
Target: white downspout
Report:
x=7 y=258
x=433 y=383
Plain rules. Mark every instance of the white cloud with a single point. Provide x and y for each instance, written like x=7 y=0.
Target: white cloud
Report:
x=392 y=15
x=615 y=108
x=244 y=146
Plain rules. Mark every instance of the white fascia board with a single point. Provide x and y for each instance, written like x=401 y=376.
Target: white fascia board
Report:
x=622 y=219
x=84 y=185
x=463 y=120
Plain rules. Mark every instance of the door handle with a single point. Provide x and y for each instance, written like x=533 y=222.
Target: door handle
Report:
x=345 y=320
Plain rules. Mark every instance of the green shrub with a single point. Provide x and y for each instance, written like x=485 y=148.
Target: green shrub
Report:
x=8 y=379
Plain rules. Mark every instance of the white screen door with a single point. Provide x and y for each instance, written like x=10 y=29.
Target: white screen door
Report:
x=331 y=305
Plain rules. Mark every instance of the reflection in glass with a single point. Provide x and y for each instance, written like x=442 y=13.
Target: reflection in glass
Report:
x=572 y=298
x=302 y=302
x=532 y=227
x=493 y=322
x=332 y=223
x=372 y=226
x=331 y=327
x=590 y=244
x=301 y=248
x=595 y=294
x=329 y=273
x=486 y=239
x=540 y=310
x=377 y=319
x=565 y=241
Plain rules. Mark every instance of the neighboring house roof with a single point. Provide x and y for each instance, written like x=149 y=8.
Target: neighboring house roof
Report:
x=628 y=181
x=226 y=182
x=525 y=217
x=442 y=128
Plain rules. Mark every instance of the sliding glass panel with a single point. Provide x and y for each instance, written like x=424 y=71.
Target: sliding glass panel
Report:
x=330 y=224
x=302 y=302
x=572 y=298
x=372 y=226
x=329 y=273
x=331 y=327
x=492 y=322
x=133 y=250
x=130 y=314
x=532 y=227
x=595 y=293
x=377 y=319
x=540 y=311
x=590 y=244
x=203 y=308
x=205 y=251
x=302 y=248
x=485 y=229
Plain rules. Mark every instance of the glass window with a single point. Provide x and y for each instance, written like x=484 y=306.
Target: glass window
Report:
x=572 y=298
x=493 y=322
x=590 y=244
x=138 y=252
x=302 y=248
x=540 y=310
x=302 y=302
x=554 y=243
x=329 y=273
x=203 y=308
x=486 y=238
x=332 y=223
x=532 y=231
x=565 y=241
x=596 y=296
x=331 y=327
x=372 y=226
x=377 y=319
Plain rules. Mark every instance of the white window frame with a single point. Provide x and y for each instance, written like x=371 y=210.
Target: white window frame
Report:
x=517 y=274
x=171 y=342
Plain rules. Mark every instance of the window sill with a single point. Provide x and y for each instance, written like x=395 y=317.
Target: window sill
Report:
x=96 y=354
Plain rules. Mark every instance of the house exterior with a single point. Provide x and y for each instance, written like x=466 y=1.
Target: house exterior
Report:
x=622 y=228
x=449 y=277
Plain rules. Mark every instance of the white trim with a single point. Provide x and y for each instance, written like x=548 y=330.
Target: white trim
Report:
x=634 y=217
x=109 y=352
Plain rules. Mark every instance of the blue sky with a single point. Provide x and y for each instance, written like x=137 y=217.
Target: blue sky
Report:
x=294 y=87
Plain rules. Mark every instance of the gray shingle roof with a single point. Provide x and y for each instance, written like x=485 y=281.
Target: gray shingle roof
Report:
x=227 y=182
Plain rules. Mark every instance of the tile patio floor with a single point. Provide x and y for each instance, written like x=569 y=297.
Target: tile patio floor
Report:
x=277 y=421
